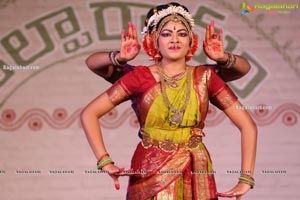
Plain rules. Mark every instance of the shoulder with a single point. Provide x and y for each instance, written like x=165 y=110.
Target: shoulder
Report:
x=140 y=71
x=138 y=80
x=203 y=70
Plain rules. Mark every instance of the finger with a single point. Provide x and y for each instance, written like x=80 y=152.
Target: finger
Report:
x=124 y=172
x=113 y=172
x=221 y=35
x=205 y=46
x=134 y=33
x=207 y=33
x=225 y=194
x=214 y=36
x=116 y=181
x=130 y=31
x=117 y=184
x=212 y=28
x=123 y=35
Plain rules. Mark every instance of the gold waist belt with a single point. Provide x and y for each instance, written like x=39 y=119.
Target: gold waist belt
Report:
x=169 y=146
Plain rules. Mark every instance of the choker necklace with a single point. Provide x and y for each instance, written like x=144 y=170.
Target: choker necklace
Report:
x=177 y=117
x=172 y=80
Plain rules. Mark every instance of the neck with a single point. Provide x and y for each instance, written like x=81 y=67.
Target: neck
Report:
x=172 y=68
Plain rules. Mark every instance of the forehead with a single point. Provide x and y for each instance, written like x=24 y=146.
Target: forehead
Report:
x=171 y=25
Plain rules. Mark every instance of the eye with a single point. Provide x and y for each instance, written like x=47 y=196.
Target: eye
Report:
x=183 y=34
x=165 y=34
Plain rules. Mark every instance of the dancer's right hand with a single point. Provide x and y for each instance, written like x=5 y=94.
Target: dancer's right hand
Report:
x=130 y=46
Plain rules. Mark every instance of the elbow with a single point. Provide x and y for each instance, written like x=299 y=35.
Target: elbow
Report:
x=88 y=62
x=251 y=127
x=247 y=67
x=254 y=128
x=85 y=116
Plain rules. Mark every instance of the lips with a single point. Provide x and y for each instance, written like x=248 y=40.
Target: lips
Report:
x=175 y=47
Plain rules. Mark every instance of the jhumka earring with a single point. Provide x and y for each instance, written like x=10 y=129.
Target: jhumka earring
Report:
x=157 y=56
x=189 y=55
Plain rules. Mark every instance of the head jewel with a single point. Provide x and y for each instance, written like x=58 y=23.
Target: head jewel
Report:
x=158 y=16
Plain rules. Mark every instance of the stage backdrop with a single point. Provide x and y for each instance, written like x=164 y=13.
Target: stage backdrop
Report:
x=44 y=84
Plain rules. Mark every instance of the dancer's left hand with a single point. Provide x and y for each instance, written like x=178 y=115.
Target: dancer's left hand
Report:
x=238 y=191
x=213 y=44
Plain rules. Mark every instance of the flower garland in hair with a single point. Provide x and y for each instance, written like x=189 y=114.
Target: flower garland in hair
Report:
x=194 y=48
x=155 y=18
x=148 y=45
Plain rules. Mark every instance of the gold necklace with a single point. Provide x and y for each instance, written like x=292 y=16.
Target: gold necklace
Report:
x=172 y=80
x=177 y=117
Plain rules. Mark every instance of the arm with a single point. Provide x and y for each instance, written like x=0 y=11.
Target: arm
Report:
x=237 y=71
x=214 y=49
x=101 y=64
x=243 y=121
x=90 y=122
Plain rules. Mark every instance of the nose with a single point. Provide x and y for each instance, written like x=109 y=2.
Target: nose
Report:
x=174 y=38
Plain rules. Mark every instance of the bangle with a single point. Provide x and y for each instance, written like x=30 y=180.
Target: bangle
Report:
x=248 y=180
x=104 y=162
x=101 y=157
x=230 y=62
x=112 y=57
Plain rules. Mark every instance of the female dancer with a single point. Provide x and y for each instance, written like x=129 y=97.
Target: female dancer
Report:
x=172 y=99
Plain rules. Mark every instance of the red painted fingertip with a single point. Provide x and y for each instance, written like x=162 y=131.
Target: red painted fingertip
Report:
x=117 y=185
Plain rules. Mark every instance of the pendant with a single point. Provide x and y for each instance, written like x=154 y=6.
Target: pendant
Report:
x=176 y=118
x=173 y=84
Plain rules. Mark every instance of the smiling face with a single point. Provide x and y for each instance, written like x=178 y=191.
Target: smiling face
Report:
x=174 y=41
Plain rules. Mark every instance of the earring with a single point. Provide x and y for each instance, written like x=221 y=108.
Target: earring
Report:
x=157 y=57
x=189 y=55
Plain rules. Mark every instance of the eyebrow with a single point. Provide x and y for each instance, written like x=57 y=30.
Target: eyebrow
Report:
x=169 y=30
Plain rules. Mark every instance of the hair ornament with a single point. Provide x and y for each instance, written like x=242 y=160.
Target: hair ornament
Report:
x=157 y=17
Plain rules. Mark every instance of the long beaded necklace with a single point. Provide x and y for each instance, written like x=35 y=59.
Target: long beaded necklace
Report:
x=177 y=117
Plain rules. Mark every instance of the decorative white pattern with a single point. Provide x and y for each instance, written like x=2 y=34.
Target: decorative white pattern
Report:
x=154 y=19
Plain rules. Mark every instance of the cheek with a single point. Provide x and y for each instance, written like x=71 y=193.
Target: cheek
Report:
x=187 y=43
x=161 y=43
